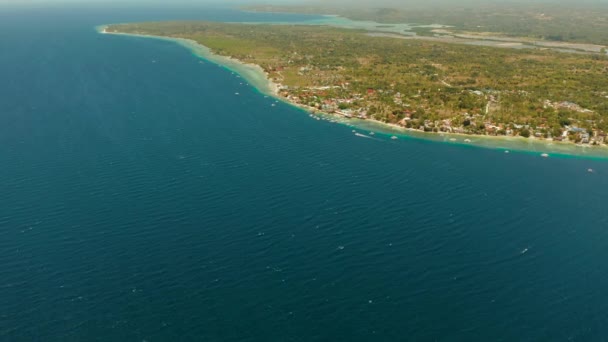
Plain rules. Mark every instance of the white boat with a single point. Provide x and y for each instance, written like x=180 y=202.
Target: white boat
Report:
x=544 y=155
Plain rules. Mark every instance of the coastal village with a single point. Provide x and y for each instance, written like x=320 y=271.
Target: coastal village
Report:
x=357 y=105
x=417 y=85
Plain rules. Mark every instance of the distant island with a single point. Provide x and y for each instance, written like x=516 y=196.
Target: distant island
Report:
x=417 y=84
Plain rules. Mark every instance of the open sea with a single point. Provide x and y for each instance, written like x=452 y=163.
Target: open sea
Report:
x=142 y=200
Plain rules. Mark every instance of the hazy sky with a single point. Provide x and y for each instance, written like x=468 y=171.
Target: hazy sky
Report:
x=365 y=3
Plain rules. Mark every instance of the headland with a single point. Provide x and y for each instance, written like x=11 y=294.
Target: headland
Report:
x=272 y=80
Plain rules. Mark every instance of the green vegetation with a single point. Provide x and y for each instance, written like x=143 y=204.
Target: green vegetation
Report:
x=573 y=23
x=415 y=83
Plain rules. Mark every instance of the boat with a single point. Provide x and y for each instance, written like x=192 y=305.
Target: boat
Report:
x=544 y=155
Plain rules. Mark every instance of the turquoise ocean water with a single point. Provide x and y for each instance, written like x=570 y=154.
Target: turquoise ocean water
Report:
x=143 y=200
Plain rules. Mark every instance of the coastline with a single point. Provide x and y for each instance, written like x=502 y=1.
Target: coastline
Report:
x=260 y=80
x=253 y=73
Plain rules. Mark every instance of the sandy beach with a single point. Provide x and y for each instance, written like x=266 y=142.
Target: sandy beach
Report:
x=260 y=80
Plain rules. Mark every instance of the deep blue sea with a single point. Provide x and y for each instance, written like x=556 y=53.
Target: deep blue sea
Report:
x=141 y=200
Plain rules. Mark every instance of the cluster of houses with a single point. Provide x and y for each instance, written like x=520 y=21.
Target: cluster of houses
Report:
x=566 y=105
x=568 y=133
x=316 y=98
x=583 y=136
